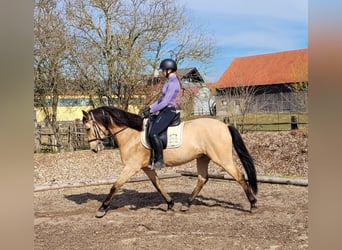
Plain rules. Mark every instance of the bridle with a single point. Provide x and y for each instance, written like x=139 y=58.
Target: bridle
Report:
x=97 y=130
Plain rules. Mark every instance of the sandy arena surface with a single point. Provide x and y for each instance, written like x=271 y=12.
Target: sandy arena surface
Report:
x=218 y=219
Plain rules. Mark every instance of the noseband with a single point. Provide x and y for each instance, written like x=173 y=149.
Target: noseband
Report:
x=97 y=130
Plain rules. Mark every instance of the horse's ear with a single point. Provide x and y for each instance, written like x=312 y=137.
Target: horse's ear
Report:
x=85 y=115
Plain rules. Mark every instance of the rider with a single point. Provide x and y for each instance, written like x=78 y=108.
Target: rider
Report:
x=164 y=110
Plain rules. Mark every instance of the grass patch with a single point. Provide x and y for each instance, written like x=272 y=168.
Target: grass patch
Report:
x=269 y=122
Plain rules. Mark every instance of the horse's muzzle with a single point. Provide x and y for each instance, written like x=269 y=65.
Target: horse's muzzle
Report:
x=98 y=147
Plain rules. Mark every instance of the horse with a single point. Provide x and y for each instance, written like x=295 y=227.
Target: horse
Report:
x=204 y=139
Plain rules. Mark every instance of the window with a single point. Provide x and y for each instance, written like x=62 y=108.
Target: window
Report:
x=74 y=102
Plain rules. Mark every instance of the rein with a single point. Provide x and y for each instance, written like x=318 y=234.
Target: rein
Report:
x=117 y=132
x=97 y=131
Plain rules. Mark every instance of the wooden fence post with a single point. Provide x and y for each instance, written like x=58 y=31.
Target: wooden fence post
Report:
x=294 y=122
x=70 y=139
x=37 y=139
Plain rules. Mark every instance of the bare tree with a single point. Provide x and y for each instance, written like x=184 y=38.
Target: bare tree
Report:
x=300 y=87
x=187 y=102
x=108 y=49
x=192 y=44
x=122 y=41
x=237 y=102
x=50 y=57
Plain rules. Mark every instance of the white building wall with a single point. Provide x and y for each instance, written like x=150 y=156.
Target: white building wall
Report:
x=203 y=101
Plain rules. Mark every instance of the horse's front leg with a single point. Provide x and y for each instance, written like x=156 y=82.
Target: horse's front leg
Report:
x=152 y=175
x=127 y=173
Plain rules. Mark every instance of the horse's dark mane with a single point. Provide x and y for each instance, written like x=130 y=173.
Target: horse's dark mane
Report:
x=119 y=116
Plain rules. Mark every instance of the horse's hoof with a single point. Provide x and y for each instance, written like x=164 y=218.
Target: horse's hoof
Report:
x=100 y=214
x=253 y=206
x=184 y=208
x=170 y=211
x=170 y=205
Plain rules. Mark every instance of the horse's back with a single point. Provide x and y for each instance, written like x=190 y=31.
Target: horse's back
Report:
x=206 y=124
x=205 y=130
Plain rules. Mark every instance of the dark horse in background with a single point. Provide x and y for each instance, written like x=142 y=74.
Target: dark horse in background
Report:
x=204 y=139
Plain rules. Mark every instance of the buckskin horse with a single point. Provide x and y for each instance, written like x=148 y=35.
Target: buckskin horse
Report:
x=204 y=139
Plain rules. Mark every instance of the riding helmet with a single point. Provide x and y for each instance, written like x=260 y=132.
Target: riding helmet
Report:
x=168 y=64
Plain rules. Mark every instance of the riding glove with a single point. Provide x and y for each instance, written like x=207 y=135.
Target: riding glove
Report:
x=146 y=112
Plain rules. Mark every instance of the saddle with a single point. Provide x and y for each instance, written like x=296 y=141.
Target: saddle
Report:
x=171 y=137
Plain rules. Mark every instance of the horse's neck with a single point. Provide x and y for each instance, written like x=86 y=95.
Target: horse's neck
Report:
x=128 y=135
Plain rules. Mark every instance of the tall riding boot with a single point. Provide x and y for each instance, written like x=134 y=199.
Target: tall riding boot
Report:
x=157 y=147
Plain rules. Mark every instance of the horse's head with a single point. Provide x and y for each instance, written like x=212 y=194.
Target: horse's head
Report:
x=95 y=131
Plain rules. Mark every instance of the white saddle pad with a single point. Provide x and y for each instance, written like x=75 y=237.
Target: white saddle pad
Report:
x=174 y=136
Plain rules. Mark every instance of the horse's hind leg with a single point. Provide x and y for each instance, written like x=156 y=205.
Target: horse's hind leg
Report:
x=156 y=182
x=202 y=170
x=240 y=178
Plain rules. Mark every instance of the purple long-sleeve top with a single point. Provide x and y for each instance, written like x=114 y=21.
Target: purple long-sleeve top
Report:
x=169 y=94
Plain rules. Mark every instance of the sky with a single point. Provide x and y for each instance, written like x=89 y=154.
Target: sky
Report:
x=249 y=27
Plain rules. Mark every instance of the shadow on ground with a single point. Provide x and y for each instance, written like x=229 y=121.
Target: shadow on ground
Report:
x=137 y=200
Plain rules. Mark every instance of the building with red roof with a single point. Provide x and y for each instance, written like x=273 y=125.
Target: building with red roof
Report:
x=275 y=82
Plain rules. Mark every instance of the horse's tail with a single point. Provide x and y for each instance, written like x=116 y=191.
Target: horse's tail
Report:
x=245 y=157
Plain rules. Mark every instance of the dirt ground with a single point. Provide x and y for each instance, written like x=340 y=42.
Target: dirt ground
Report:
x=218 y=219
